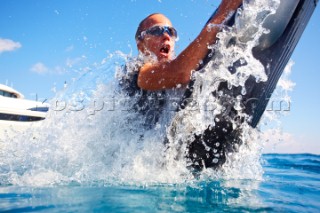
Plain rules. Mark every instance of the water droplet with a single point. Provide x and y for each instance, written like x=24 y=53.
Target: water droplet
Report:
x=237 y=104
x=215 y=160
x=243 y=91
x=258 y=79
x=242 y=61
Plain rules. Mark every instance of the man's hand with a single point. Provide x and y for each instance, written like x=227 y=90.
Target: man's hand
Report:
x=226 y=7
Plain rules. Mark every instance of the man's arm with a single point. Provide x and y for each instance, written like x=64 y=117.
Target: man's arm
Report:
x=165 y=75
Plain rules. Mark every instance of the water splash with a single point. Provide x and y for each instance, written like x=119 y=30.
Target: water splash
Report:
x=234 y=48
x=91 y=135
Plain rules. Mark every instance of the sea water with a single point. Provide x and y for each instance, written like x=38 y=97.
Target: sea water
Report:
x=93 y=152
x=290 y=184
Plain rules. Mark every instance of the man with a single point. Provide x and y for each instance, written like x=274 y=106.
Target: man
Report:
x=149 y=79
x=156 y=37
x=159 y=71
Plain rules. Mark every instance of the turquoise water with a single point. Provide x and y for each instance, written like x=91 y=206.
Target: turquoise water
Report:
x=291 y=183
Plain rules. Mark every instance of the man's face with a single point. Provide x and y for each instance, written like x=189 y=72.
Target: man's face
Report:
x=162 y=46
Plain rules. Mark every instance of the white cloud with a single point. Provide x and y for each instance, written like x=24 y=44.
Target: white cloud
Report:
x=8 y=45
x=39 y=68
x=284 y=142
x=58 y=70
x=70 y=62
x=69 y=48
x=284 y=82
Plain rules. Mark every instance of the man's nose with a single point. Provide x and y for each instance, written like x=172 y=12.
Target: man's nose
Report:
x=166 y=36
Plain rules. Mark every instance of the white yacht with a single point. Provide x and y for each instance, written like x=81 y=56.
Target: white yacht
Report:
x=17 y=113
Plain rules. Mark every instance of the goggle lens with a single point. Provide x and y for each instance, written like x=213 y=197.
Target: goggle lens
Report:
x=159 y=31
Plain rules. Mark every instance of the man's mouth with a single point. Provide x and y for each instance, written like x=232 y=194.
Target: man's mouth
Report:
x=165 y=49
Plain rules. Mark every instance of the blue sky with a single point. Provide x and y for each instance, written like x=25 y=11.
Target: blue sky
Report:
x=44 y=43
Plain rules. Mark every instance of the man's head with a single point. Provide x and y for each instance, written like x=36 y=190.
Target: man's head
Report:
x=156 y=35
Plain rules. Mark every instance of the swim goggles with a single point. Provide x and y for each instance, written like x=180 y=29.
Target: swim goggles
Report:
x=159 y=31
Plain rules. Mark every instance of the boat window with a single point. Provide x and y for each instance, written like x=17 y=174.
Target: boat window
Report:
x=9 y=117
x=39 y=109
x=8 y=94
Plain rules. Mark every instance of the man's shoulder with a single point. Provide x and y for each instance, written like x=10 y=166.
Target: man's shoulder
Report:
x=128 y=76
